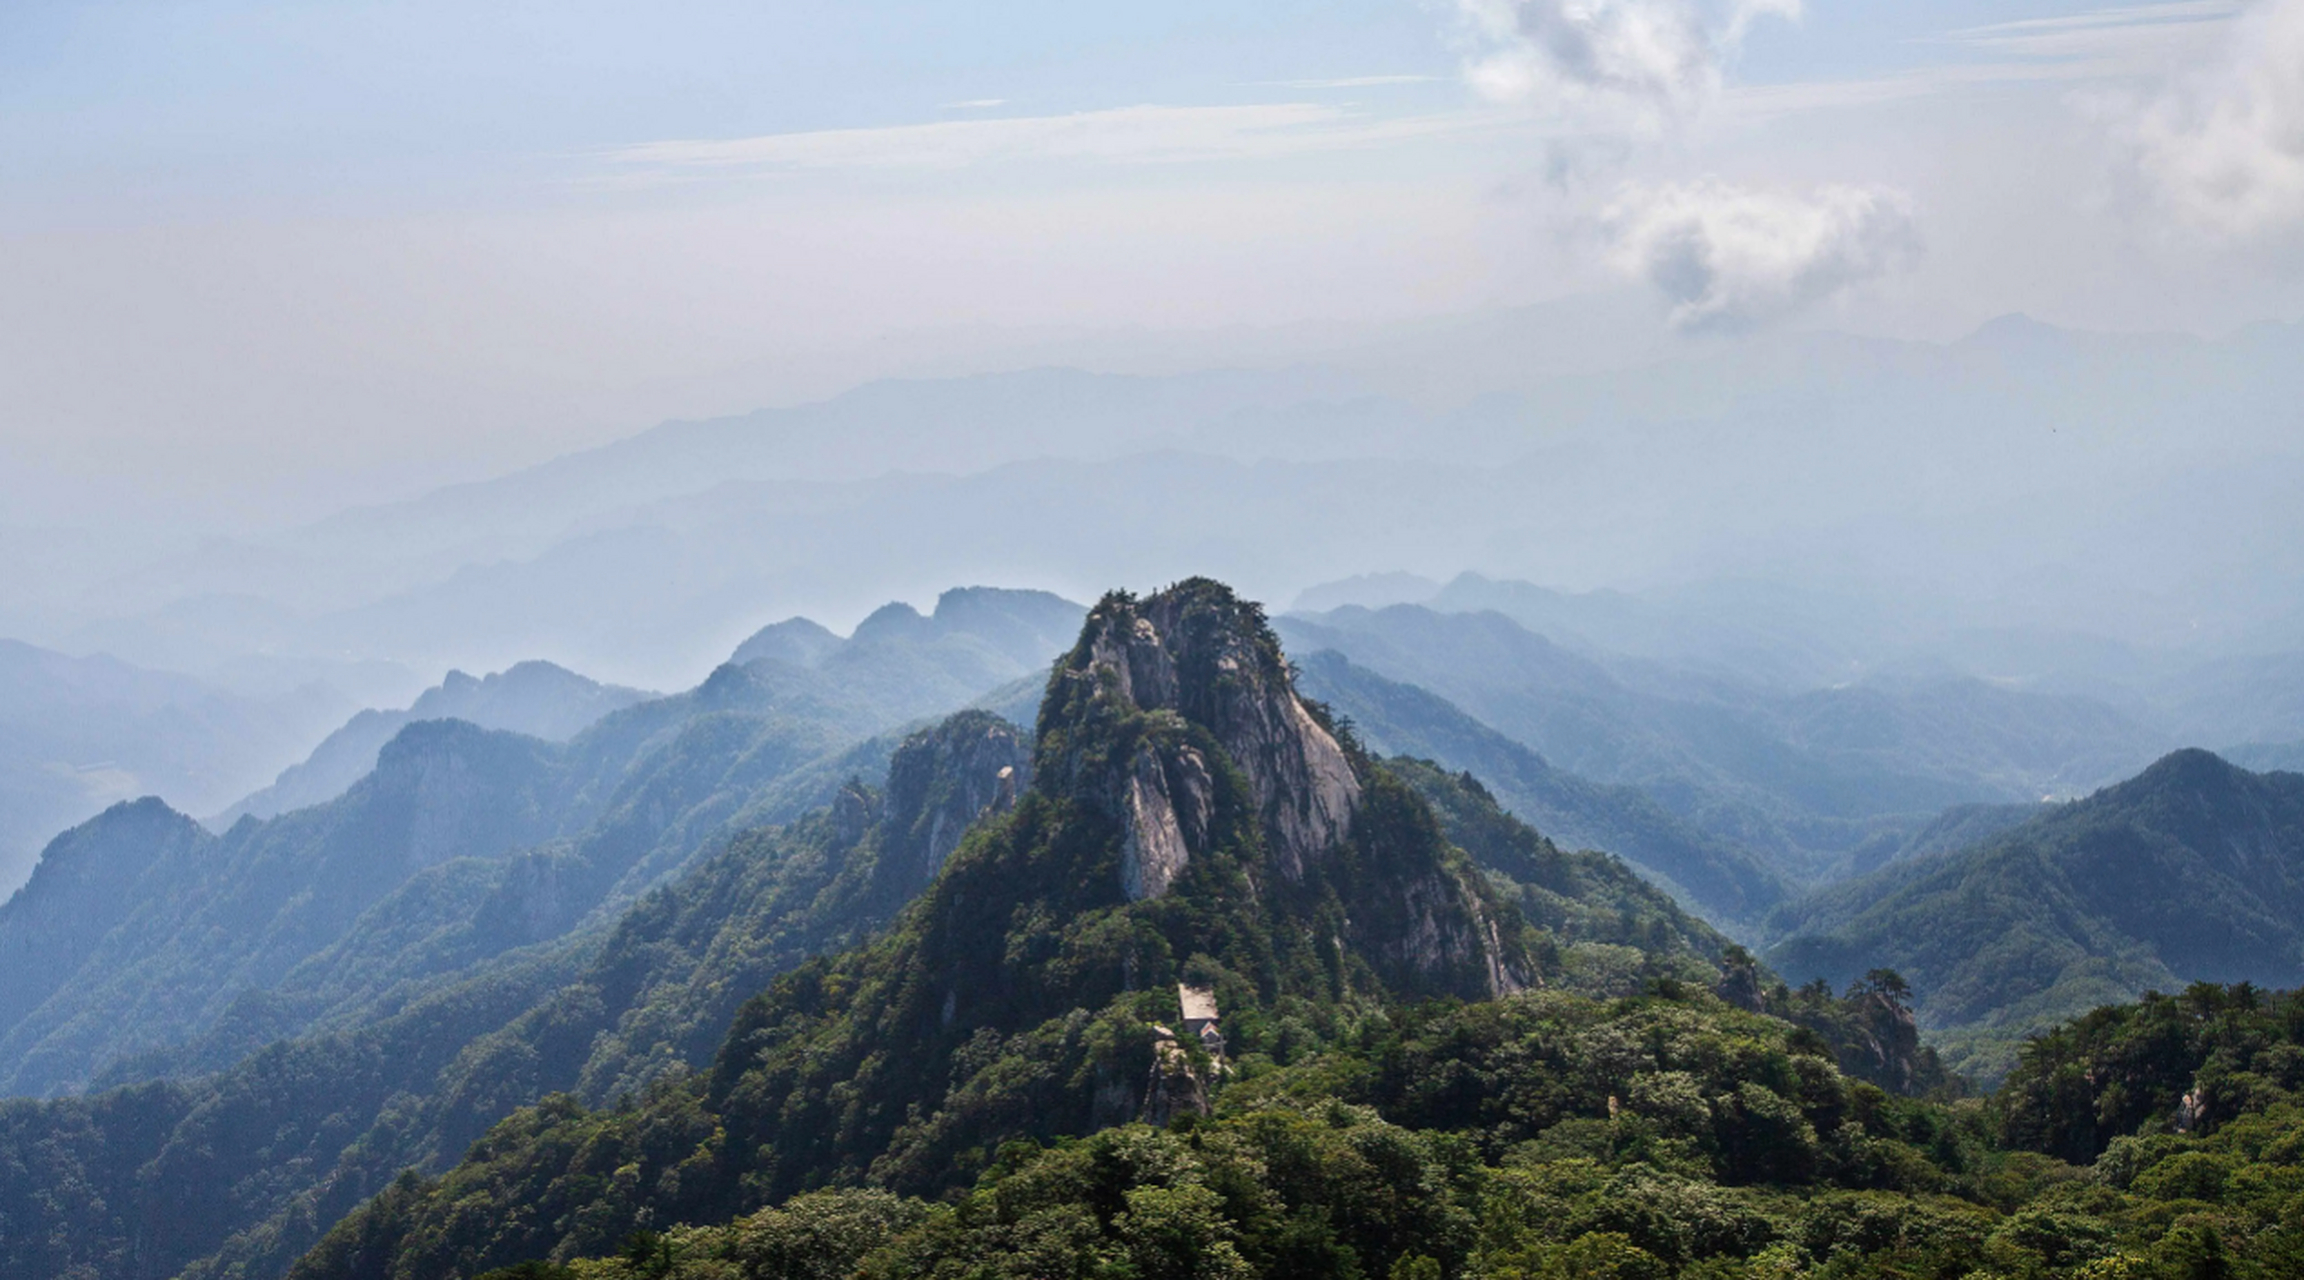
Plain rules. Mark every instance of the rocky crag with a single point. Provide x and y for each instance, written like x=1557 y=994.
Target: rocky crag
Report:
x=1189 y=818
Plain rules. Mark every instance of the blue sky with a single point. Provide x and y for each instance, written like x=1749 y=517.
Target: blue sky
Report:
x=357 y=248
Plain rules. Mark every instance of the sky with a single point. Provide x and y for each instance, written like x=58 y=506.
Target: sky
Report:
x=262 y=261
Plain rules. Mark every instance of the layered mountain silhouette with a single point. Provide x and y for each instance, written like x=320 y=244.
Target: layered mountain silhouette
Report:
x=1728 y=881
x=152 y=947
x=1191 y=818
x=1817 y=781
x=237 y=1172
x=2191 y=871
x=898 y=664
x=80 y=734
x=1183 y=811
x=536 y=698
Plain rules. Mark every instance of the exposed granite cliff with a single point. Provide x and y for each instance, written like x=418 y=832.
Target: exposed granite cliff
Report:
x=1197 y=654
x=940 y=783
x=1165 y=697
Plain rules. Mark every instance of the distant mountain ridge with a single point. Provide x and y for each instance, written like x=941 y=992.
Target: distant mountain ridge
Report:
x=1725 y=880
x=536 y=698
x=78 y=734
x=1814 y=779
x=898 y=661
x=2039 y=462
x=460 y=844
x=232 y=1175
x=2191 y=871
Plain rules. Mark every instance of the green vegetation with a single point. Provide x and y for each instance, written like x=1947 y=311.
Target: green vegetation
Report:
x=152 y=949
x=1721 y=874
x=237 y=1173
x=1015 y=999
x=2193 y=870
x=1816 y=783
x=866 y=1044
x=991 y=1052
x=1543 y=1135
x=464 y=844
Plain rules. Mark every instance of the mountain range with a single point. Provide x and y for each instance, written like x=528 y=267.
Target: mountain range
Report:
x=1008 y=1048
x=907 y=959
x=1812 y=781
x=143 y=938
x=533 y=698
x=1920 y=465
x=2192 y=871
x=436 y=1015
x=78 y=734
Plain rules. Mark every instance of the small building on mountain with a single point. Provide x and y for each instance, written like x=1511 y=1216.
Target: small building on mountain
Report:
x=1199 y=1005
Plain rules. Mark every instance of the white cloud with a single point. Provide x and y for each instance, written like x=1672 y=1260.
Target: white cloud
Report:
x=1354 y=82
x=976 y=104
x=2224 y=146
x=1731 y=257
x=1638 y=64
x=1142 y=134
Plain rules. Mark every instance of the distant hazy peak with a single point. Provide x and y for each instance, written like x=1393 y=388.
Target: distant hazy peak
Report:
x=537 y=698
x=800 y=642
x=1030 y=626
x=2014 y=327
x=894 y=620
x=1371 y=590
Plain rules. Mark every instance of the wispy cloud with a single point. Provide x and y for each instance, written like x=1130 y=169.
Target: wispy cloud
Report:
x=1733 y=257
x=1121 y=135
x=2223 y=143
x=2120 y=40
x=976 y=104
x=1352 y=82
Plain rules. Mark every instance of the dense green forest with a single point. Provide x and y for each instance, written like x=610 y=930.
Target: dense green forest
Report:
x=235 y=1173
x=927 y=1029
x=2192 y=870
x=1370 y=975
x=1545 y=1135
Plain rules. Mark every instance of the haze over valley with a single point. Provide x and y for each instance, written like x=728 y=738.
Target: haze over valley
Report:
x=1476 y=640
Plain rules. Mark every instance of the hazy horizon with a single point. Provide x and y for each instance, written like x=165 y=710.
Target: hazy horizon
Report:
x=304 y=260
x=347 y=346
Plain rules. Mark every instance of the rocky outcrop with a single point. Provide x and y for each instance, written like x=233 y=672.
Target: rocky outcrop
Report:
x=1196 y=654
x=1883 y=1044
x=941 y=781
x=1177 y=1085
x=1177 y=716
x=1740 y=983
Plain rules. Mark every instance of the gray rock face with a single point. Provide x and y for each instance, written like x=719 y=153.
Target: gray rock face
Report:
x=1178 y=653
x=1154 y=851
x=1176 y=715
x=942 y=780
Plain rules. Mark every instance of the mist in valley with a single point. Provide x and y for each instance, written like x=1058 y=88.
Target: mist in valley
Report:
x=521 y=533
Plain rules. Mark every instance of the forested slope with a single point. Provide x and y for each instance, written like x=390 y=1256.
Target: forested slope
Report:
x=236 y=1173
x=2193 y=870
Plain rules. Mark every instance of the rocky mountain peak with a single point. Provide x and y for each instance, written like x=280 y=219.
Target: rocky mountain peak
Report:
x=1195 y=656
x=942 y=780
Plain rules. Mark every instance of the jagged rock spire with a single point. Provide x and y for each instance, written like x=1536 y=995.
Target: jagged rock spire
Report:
x=1196 y=654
